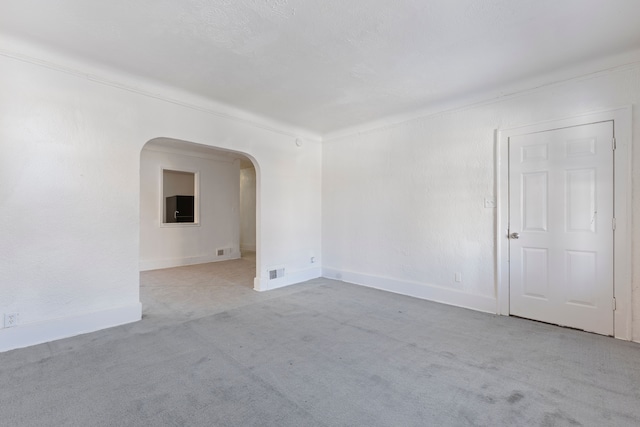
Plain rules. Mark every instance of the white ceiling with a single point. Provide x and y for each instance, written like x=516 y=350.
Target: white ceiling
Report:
x=325 y=65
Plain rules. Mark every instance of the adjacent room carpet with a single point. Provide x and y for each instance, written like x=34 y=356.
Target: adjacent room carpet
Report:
x=210 y=351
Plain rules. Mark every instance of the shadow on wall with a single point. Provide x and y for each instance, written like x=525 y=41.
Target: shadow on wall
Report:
x=248 y=207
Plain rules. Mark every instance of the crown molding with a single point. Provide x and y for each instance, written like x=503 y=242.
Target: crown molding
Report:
x=583 y=71
x=42 y=56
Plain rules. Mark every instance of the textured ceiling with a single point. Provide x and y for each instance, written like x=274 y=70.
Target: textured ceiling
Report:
x=325 y=65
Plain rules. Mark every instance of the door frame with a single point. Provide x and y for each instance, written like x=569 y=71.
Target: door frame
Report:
x=622 y=208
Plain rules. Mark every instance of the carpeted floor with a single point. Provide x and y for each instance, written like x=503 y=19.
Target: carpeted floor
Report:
x=212 y=352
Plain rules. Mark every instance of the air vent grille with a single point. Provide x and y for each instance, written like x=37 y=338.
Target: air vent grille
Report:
x=276 y=273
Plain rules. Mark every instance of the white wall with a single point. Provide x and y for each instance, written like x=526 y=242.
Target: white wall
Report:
x=248 y=209
x=218 y=227
x=403 y=204
x=176 y=183
x=70 y=146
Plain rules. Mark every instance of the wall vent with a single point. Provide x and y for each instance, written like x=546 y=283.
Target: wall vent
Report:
x=224 y=251
x=276 y=273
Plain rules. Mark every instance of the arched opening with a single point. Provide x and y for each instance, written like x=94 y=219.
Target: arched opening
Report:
x=199 y=243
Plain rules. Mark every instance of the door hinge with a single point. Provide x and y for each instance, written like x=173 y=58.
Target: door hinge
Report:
x=614 y=304
x=613 y=144
x=613 y=223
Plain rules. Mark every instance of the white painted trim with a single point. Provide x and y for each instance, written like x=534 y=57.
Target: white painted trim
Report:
x=585 y=71
x=179 y=224
x=623 y=263
x=39 y=55
x=156 y=264
x=622 y=128
x=420 y=290
x=502 y=224
x=249 y=248
x=261 y=284
x=54 y=329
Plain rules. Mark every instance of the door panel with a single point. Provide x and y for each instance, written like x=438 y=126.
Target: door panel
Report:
x=581 y=200
x=561 y=204
x=535 y=266
x=534 y=203
x=581 y=278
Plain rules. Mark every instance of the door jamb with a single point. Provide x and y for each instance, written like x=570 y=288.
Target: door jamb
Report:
x=622 y=286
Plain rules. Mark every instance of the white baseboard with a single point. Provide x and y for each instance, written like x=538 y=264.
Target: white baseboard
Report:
x=250 y=248
x=415 y=289
x=264 y=284
x=156 y=264
x=50 y=330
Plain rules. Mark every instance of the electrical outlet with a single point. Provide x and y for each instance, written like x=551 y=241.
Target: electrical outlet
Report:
x=458 y=277
x=11 y=320
x=489 y=202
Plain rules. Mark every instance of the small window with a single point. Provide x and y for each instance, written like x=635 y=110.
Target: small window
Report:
x=179 y=197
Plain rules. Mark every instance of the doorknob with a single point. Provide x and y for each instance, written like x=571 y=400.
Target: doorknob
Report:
x=514 y=235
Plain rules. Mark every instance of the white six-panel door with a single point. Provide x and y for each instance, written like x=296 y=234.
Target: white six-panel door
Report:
x=561 y=243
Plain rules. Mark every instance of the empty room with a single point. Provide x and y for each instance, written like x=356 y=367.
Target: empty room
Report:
x=319 y=213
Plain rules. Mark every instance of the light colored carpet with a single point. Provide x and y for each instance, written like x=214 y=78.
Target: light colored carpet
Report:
x=210 y=351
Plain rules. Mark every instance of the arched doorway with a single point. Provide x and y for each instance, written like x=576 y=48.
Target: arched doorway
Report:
x=202 y=252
